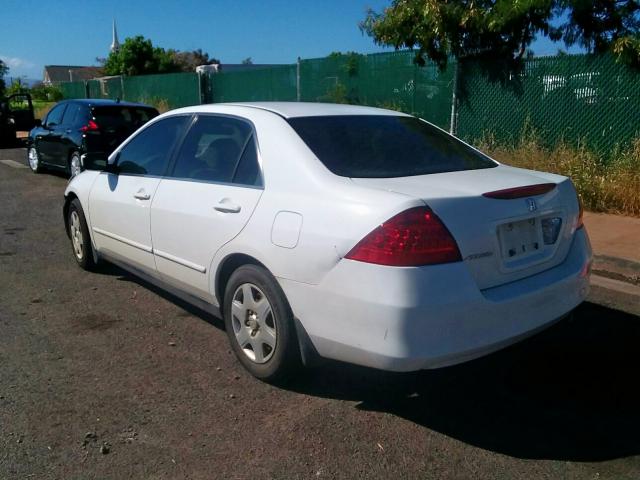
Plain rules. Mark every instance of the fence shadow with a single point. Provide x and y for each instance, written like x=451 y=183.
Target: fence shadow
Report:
x=570 y=393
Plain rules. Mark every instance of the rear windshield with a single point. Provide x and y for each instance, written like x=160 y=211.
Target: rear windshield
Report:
x=113 y=117
x=377 y=146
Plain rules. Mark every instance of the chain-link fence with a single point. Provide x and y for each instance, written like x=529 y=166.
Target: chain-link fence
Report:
x=576 y=98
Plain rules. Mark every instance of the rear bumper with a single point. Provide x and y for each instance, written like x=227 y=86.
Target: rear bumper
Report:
x=406 y=319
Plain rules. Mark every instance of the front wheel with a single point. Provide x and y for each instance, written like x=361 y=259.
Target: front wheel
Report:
x=34 y=160
x=79 y=235
x=259 y=324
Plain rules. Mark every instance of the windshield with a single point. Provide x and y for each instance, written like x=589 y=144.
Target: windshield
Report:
x=379 y=146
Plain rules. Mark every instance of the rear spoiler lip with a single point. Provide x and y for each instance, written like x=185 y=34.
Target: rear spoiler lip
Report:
x=520 y=192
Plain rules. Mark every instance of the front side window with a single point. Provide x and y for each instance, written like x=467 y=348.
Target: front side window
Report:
x=385 y=146
x=55 y=115
x=212 y=148
x=149 y=151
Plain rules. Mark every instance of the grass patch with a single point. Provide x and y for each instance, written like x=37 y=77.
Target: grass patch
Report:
x=611 y=186
x=41 y=108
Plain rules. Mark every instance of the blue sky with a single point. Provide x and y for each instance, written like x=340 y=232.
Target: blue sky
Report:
x=34 y=33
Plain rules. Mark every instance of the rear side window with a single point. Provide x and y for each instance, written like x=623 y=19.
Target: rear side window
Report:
x=378 y=146
x=248 y=171
x=118 y=117
x=71 y=114
x=149 y=151
x=212 y=149
x=55 y=115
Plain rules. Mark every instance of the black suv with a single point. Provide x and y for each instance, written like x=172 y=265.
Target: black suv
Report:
x=75 y=127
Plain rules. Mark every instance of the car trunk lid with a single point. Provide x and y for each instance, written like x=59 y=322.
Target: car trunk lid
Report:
x=500 y=239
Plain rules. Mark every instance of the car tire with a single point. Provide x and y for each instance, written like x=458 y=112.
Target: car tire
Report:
x=79 y=236
x=262 y=335
x=75 y=165
x=33 y=158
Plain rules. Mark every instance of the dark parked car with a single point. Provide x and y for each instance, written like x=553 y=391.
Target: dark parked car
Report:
x=76 y=127
x=16 y=114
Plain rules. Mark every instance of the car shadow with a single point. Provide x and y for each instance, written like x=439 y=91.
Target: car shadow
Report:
x=13 y=144
x=122 y=275
x=570 y=393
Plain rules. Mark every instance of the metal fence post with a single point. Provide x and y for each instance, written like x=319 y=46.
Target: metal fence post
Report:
x=200 y=80
x=298 y=80
x=453 y=125
x=122 y=87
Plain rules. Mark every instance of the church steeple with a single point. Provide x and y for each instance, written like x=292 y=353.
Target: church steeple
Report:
x=115 y=44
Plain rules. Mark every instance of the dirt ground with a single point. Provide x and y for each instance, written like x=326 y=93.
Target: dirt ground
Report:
x=104 y=377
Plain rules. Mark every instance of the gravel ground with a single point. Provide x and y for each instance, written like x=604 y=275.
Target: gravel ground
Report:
x=103 y=376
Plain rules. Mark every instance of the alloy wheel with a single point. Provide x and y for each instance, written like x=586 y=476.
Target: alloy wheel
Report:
x=75 y=166
x=76 y=235
x=34 y=161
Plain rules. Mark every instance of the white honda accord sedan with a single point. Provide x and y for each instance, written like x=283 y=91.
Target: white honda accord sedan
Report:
x=351 y=233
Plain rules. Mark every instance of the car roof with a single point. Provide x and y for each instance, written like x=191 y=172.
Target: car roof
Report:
x=103 y=102
x=298 y=109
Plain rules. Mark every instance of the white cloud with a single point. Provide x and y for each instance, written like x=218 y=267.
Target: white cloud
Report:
x=16 y=63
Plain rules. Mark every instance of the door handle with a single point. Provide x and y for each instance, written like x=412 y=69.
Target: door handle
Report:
x=227 y=207
x=141 y=195
x=68 y=130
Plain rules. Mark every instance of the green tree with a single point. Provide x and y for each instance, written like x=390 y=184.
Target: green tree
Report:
x=138 y=56
x=4 y=70
x=188 y=61
x=504 y=29
x=47 y=93
x=17 y=86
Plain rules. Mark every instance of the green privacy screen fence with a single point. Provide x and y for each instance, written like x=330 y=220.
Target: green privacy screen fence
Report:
x=575 y=98
x=177 y=89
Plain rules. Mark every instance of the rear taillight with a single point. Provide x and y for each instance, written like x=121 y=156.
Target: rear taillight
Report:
x=412 y=238
x=520 y=192
x=91 y=126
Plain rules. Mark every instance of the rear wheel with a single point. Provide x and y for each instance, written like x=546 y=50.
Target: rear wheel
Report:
x=34 y=160
x=75 y=165
x=79 y=236
x=259 y=324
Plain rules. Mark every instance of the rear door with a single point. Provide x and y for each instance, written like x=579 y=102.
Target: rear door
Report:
x=206 y=200
x=70 y=134
x=119 y=205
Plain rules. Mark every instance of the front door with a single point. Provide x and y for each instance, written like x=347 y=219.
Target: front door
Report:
x=119 y=204
x=47 y=138
x=205 y=201
x=21 y=110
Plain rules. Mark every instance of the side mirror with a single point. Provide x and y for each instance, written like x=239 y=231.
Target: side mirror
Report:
x=95 y=161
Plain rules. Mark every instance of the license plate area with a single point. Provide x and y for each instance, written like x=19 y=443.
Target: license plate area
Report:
x=521 y=239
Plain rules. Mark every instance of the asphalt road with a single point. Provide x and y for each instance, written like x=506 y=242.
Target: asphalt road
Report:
x=102 y=376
